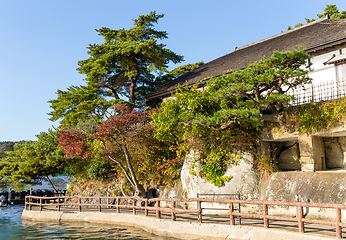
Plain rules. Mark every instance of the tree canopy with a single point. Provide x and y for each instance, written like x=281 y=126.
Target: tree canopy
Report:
x=84 y=103
x=127 y=141
x=234 y=103
x=33 y=161
x=128 y=65
x=127 y=58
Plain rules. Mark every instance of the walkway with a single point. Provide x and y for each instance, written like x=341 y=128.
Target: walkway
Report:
x=317 y=230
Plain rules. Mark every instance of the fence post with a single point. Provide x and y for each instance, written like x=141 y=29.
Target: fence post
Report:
x=134 y=205
x=231 y=216
x=30 y=201
x=239 y=217
x=118 y=209
x=300 y=219
x=107 y=200
x=265 y=216
x=158 y=213
x=99 y=204
x=79 y=204
x=173 y=210
x=40 y=204
x=146 y=207
x=199 y=207
x=338 y=221
x=58 y=204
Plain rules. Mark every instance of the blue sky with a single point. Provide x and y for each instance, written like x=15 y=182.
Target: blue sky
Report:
x=42 y=41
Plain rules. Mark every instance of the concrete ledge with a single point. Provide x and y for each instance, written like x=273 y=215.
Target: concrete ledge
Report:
x=183 y=230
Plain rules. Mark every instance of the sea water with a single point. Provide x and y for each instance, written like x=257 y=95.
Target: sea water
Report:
x=13 y=227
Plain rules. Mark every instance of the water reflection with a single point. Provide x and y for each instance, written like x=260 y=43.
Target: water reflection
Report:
x=13 y=227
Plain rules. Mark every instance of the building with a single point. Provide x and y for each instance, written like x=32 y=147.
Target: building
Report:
x=325 y=41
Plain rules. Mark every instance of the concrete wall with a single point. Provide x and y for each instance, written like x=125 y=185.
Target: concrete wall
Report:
x=334 y=152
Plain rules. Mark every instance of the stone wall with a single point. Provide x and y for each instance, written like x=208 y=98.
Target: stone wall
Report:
x=245 y=179
x=313 y=168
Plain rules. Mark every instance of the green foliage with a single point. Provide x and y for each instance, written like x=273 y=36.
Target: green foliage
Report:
x=7 y=146
x=330 y=10
x=265 y=166
x=230 y=108
x=313 y=117
x=32 y=161
x=122 y=67
x=333 y=12
x=214 y=168
x=177 y=72
x=80 y=104
x=127 y=58
x=99 y=169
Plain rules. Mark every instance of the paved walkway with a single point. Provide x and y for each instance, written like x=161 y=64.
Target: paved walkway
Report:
x=321 y=230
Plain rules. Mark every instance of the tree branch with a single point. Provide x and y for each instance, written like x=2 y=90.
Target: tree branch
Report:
x=228 y=124
x=119 y=163
x=113 y=91
x=51 y=184
x=129 y=164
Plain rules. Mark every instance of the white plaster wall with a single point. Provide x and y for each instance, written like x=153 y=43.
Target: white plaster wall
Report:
x=320 y=72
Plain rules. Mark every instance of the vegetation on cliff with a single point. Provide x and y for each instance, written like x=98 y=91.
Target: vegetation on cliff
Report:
x=229 y=113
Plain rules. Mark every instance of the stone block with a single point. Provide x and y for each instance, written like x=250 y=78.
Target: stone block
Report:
x=308 y=167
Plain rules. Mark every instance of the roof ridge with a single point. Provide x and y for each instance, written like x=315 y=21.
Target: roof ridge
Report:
x=283 y=33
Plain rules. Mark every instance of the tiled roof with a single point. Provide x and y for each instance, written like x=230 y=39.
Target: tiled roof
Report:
x=315 y=36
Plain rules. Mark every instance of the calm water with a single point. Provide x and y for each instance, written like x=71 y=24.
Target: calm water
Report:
x=13 y=227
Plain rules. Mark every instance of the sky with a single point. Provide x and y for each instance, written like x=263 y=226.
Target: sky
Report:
x=42 y=41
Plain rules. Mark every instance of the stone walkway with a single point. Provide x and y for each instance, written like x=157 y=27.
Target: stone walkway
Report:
x=315 y=229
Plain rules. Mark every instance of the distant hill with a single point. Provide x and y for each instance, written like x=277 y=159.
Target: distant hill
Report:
x=7 y=146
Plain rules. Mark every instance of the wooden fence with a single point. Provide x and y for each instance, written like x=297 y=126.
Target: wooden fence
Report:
x=134 y=203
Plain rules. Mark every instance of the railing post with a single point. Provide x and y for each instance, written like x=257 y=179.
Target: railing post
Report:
x=265 y=216
x=99 y=204
x=231 y=216
x=146 y=207
x=134 y=205
x=107 y=201
x=338 y=221
x=79 y=204
x=300 y=219
x=40 y=204
x=58 y=204
x=199 y=208
x=158 y=213
x=239 y=217
x=30 y=201
x=118 y=209
x=173 y=210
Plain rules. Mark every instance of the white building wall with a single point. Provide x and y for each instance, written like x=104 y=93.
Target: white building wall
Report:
x=322 y=73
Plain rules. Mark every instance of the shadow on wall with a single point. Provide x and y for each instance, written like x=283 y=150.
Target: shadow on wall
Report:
x=286 y=155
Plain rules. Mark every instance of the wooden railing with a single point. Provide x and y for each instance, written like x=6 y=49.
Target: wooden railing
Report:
x=135 y=203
